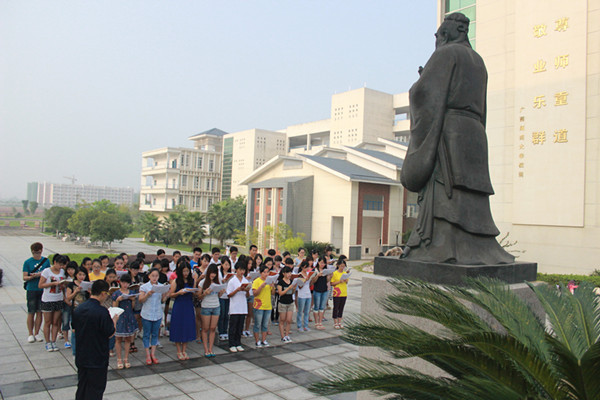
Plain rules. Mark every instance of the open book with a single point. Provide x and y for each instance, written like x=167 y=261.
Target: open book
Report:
x=271 y=279
x=217 y=288
x=113 y=311
x=299 y=282
x=345 y=276
x=85 y=286
x=161 y=288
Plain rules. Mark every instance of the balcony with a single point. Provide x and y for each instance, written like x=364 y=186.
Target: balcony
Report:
x=158 y=170
x=145 y=189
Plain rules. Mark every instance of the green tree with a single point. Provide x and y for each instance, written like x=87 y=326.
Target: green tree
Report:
x=523 y=359
x=25 y=205
x=108 y=227
x=33 y=206
x=57 y=218
x=149 y=226
x=81 y=221
x=170 y=228
x=226 y=217
x=192 y=228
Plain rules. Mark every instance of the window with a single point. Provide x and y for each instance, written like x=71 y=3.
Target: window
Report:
x=184 y=181
x=257 y=191
x=173 y=184
x=269 y=197
x=196 y=182
x=180 y=199
x=211 y=165
x=208 y=184
x=174 y=164
x=209 y=203
x=199 y=162
x=269 y=219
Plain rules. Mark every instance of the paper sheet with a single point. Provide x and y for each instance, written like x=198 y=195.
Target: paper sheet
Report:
x=345 y=276
x=85 y=286
x=326 y=272
x=115 y=311
x=129 y=296
x=161 y=288
x=253 y=275
x=217 y=288
x=299 y=282
x=121 y=273
x=272 y=279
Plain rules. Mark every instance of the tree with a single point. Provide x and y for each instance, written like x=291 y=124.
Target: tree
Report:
x=192 y=228
x=171 y=228
x=149 y=226
x=57 y=218
x=524 y=359
x=225 y=217
x=33 y=206
x=108 y=227
x=25 y=205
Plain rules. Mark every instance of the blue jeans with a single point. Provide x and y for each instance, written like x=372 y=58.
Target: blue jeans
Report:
x=151 y=329
x=303 y=312
x=224 y=317
x=210 y=311
x=320 y=300
x=66 y=319
x=261 y=320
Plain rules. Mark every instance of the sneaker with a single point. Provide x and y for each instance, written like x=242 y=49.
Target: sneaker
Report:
x=39 y=338
x=275 y=323
x=246 y=334
x=265 y=343
x=67 y=345
x=49 y=347
x=325 y=319
x=233 y=349
x=288 y=339
x=54 y=347
x=222 y=337
x=284 y=340
x=259 y=344
x=31 y=339
x=240 y=348
x=226 y=336
x=307 y=329
x=160 y=346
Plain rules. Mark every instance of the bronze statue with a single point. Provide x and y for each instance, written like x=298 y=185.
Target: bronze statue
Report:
x=447 y=158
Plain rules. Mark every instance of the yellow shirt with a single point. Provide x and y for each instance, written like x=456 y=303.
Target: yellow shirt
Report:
x=262 y=301
x=94 y=277
x=339 y=290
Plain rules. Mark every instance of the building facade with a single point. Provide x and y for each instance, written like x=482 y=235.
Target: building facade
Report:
x=349 y=196
x=183 y=176
x=69 y=195
x=543 y=124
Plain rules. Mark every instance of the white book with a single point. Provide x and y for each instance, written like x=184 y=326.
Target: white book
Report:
x=85 y=286
x=295 y=270
x=345 y=276
x=121 y=273
x=161 y=288
x=326 y=272
x=191 y=289
x=115 y=311
x=217 y=288
x=253 y=275
x=129 y=296
x=271 y=279
x=299 y=282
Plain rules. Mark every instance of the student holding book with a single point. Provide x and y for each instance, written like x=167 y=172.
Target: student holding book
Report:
x=126 y=327
x=199 y=274
x=110 y=277
x=183 y=322
x=211 y=309
x=339 y=282
x=70 y=271
x=320 y=292
x=262 y=306
x=285 y=290
x=74 y=296
x=52 y=280
x=250 y=267
x=237 y=291
x=151 y=314
x=225 y=273
x=304 y=297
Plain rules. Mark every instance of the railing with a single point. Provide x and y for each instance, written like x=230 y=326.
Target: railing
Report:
x=373 y=205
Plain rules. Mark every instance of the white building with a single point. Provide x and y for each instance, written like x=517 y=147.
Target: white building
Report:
x=183 y=176
x=69 y=195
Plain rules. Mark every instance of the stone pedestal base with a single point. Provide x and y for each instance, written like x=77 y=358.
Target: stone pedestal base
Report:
x=453 y=274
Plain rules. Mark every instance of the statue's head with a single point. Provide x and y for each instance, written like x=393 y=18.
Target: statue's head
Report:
x=455 y=28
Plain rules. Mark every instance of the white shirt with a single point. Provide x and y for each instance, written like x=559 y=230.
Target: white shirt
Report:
x=233 y=263
x=53 y=293
x=172 y=266
x=304 y=291
x=238 y=304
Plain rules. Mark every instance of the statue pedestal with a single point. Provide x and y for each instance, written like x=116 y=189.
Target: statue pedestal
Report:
x=453 y=274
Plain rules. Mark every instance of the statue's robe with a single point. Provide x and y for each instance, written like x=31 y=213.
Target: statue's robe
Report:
x=447 y=161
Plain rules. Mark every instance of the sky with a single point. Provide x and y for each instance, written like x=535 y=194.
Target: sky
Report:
x=87 y=86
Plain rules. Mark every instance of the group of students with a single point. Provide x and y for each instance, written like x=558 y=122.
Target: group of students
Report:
x=202 y=295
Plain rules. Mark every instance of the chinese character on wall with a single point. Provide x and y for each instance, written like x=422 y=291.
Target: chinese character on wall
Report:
x=560 y=98
x=561 y=61
x=560 y=136
x=539 y=66
x=539 y=102
x=539 y=30
x=561 y=24
x=538 y=137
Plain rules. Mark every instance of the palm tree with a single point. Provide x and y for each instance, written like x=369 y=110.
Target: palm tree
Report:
x=192 y=228
x=149 y=226
x=222 y=221
x=516 y=357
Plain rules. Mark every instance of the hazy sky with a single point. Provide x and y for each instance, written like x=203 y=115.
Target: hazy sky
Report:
x=87 y=86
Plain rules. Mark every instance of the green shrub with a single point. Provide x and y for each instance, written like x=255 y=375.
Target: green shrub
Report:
x=319 y=246
x=565 y=278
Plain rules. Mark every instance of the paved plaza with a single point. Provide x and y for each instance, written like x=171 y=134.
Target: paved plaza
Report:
x=282 y=371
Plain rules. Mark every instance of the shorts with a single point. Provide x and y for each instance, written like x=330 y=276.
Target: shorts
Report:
x=34 y=301
x=211 y=311
x=197 y=302
x=51 y=306
x=283 y=308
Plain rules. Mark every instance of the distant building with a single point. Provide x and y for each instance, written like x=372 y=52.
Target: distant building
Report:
x=173 y=176
x=69 y=195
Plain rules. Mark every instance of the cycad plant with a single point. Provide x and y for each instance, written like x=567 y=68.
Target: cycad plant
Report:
x=518 y=356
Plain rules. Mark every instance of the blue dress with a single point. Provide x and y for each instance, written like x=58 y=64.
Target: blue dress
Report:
x=126 y=324
x=183 y=318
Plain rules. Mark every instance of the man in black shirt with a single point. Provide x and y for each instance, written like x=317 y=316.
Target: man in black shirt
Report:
x=93 y=327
